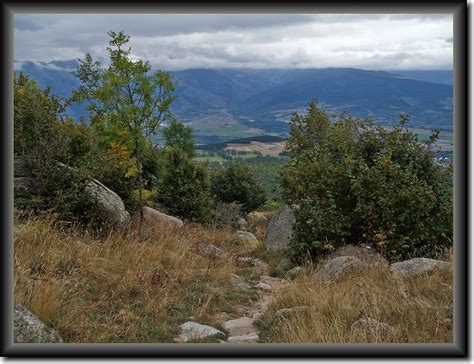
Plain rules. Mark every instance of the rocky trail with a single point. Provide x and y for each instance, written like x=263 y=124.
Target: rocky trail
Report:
x=242 y=330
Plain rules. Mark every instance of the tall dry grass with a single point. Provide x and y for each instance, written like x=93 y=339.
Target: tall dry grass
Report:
x=419 y=309
x=121 y=289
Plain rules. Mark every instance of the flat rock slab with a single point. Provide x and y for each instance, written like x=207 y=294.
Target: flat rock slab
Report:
x=194 y=331
x=239 y=327
x=244 y=339
x=27 y=328
x=418 y=266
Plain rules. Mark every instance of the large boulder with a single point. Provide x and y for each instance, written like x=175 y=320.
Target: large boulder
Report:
x=193 y=331
x=152 y=215
x=27 y=328
x=338 y=268
x=245 y=236
x=280 y=229
x=108 y=205
x=364 y=253
x=418 y=266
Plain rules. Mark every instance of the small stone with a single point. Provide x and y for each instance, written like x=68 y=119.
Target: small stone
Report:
x=240 y=326
x=370 y=329
x=249 y=261
x=263 y=286
x=245 y=236
x=237 y=283
x=286 y=313
x=194 y=331
x=244 y=339
x=212 y=250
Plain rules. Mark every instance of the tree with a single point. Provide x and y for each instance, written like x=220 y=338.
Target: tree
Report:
x=184 y=186
x=179 y=135
x=236 y=183
x=126 y=95
x=355 y=182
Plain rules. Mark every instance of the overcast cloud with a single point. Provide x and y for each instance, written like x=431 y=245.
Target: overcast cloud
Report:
x=172 y=41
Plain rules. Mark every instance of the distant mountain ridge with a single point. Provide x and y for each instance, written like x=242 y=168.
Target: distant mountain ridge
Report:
x=262 y=100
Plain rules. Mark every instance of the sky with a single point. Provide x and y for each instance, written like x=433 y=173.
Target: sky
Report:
x=182 y=41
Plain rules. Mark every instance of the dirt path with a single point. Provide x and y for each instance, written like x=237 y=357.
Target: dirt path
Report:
x=242 y=330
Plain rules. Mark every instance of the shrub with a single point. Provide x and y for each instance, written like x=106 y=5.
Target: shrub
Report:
x=184 y=186
x=354 y=182
x=237 y=184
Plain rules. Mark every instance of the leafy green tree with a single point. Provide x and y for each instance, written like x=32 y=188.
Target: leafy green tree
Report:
x=179 y=135
x=236 y=183
x=184 y=186
x=126 y=95
x=355 y=182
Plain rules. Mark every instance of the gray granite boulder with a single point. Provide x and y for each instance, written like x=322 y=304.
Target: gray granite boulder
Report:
x=155 y=216
x=418 y=266
x=237 y=283
x=368 y=328
x=338 y=268
x=245 y=236
x=212 y=251
x=27 y=328
x=280 y=229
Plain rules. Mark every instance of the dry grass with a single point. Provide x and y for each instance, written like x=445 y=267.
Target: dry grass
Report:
x=120 y=289
x=419 y=309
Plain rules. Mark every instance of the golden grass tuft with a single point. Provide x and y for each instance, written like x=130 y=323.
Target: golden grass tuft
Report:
x=419 y=309
x=121 y=289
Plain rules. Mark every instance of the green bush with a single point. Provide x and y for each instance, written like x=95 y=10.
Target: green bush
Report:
x=184 y=186
x=236 y=183
x=354 y=182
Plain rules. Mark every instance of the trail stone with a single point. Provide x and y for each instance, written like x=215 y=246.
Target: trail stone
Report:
x=240 y=326
x=371 y=329
x=212 y=250
x=193 y=331
x=418 y=266
x=245 y=236
x=159 y=217
x=238 y=284
x=280 y=229
x=244 y=339
x=27 y=328
x=339 y=267
x=364 y=253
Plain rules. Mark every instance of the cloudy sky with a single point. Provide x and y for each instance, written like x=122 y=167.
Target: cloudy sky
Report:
x=172 y=41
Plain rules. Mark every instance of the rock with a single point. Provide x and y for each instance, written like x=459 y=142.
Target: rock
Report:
x=245 y=236
x=280 y=229
x=240 y=326
x=159 y=217
x=286 y=313
x=248 y=261
x=244 y=339
x=418 y=266
x=339 y=267
x=212 y=250
x=370 y=329
x=193 y=331
x=364 y=254
x=241 y=223
x=27 y=328
x=238 y=284
x=108 y=204
x=284 y=265
x=294 y=272
x=25 y=186
x=263 y=286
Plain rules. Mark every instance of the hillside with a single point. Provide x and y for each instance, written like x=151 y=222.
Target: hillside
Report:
x=223 y=104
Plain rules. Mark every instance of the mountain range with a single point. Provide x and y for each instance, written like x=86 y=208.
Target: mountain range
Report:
x=222 y=104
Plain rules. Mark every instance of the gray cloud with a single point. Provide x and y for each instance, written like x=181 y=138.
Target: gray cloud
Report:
x=175 y=41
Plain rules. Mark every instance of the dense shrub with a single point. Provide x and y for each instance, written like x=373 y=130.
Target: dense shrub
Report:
x=236 y=183
x=184 y=186
x=354 y=182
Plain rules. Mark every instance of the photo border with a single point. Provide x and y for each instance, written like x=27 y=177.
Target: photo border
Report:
x=461 y=287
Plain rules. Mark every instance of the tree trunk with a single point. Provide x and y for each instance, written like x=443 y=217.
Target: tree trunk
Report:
x=140 y=194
